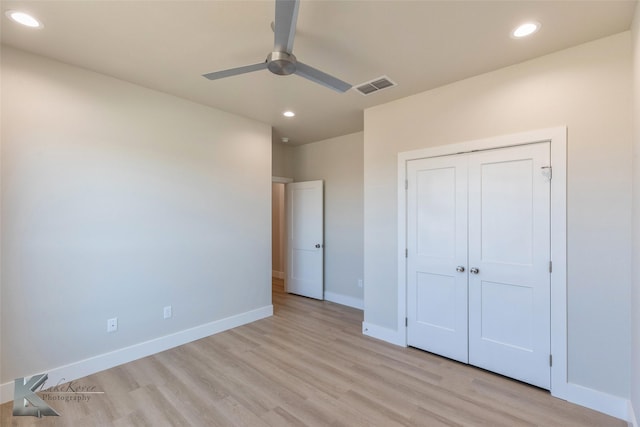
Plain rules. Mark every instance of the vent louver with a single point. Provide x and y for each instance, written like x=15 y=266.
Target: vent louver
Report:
x=375 y=85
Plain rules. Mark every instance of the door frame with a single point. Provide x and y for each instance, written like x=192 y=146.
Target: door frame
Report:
x=557 y=137
x=283 y=228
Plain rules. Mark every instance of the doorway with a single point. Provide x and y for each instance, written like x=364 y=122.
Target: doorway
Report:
x=478 y=283
x=278 y=226
x=305 y=238
x=557 y=139
x=297 y=237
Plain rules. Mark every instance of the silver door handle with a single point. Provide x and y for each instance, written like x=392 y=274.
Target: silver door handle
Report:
x=460 y=269
x=474 y=271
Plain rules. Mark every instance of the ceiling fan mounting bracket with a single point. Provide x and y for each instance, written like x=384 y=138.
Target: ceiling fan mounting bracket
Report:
x=281 y=63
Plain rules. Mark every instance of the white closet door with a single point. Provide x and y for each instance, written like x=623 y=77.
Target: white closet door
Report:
x=509 y=253
x=437 y=246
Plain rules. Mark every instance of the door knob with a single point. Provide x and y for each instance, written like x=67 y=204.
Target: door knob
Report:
x=318 y=245
x=474 y=271
x=460 y=269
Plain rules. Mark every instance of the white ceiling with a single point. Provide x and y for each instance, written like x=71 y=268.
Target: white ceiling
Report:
x=168 y=45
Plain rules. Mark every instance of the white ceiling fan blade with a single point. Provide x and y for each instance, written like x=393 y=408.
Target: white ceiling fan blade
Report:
x=315 y=75
x=235 y=71
x=285 y=25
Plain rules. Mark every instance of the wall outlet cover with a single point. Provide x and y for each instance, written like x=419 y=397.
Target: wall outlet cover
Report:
x=112 y=324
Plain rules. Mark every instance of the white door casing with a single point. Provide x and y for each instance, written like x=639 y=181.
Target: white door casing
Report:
x=508 y=251
x=305 y=234
x=557 y=137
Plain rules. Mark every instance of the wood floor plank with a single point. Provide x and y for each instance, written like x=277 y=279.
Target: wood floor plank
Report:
x=308 y=365
x=279 y=417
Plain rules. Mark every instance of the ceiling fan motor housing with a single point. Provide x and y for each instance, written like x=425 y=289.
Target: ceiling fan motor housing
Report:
x=281 y=63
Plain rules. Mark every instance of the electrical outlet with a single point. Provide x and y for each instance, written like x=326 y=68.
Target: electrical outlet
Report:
x=167 y=312
x=359 y=283
x=112 y=324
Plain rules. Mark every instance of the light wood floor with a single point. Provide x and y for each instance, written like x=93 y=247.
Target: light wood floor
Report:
x=308 y=365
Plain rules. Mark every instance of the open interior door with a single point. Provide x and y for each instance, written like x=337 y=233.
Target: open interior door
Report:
x=305 y=233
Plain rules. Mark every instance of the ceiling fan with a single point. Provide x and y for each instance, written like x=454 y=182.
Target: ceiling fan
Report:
x=282 y=61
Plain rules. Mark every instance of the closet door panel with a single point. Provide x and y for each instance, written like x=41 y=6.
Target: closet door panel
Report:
x=509 y=253
x=437 y=250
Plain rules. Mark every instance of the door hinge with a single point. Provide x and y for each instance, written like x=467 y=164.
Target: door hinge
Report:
x=406 y=253
x=547 y=172
x=406 y=321
x=406 y=184
x=550 y=360
x=550 y=266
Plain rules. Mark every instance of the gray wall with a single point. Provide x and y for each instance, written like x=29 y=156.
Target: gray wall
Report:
x=339 y=162
x=282 y=160
x=635 y=291
x=116 y=201
x=587 y=88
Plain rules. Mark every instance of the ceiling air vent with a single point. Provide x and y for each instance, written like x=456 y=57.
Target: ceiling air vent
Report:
x=375 y=85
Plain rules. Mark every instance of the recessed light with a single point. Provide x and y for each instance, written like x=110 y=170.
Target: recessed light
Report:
x=23 y=18
x=525 y=29
x=288 y=114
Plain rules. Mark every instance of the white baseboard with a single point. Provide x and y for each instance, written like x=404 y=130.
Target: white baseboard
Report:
x=82 y=368
x=615 y=406
x=598 y=401
x=277 y=274
x=344 y=300
x=384 y=334
x=633 y=421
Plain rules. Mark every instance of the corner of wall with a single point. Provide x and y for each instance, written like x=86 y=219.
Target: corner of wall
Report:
x=634 y=402
x=391 y=336
x=281 y=160
x=633 y=420
x=615 y=406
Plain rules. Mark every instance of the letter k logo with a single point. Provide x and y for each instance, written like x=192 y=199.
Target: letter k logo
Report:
x=24 y=395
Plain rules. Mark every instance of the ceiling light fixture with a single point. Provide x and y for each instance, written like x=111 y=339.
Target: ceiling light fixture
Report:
x=289 y=114
x=525 y=29
x=23 y=18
